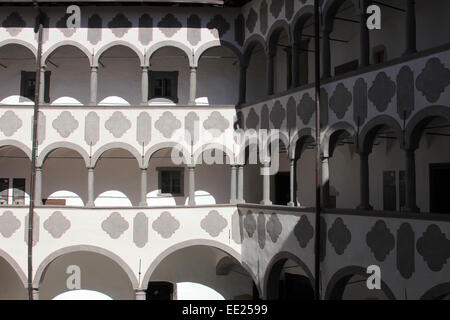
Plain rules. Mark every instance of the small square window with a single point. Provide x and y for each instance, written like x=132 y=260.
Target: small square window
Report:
x=171 y=181
x=163 y=85
x=28 y=84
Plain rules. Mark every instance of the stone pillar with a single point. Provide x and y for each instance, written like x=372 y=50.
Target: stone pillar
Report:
x=42 y=86
x=295 y=65
x=242 y=84
x=191 y=185
x=38 y=187
x=193 y=86
x=364 y=182
x=411 y=39
x=265 y=171
x=270 y=73
x=410 y=181
x=233 y=185
x=293 y=183
x=364 y=37
x=144 y=85
x=143 y=202
x=326 y=54
x=325 y=182
x=90 y=202
x=141 y=294
x=240 y=193
x=94 y=85
x=35 y=293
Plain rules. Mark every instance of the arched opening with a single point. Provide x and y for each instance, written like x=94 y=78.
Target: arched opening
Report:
x=280 y=48
x=115 y=65
x=343 y=23
x=64 y=178
x=431 y=136
x=218 y=77
x=386 y=175
x=227 y=278
x=343 y=180
x=439 y=292
x=117 y=179
x=82 y=295
x=67 y=65
x=289 y=280
x=305 y=176
x=15 y=169
x=84 y=270
x=280 y=172
x=303 y=47
x=169 y=77
x=252 y=172
x=12 y=287
x=213 y=165
x=256 y=59
x=167 y=181
x=18 y=72
x=350 y=283
x=431 y=20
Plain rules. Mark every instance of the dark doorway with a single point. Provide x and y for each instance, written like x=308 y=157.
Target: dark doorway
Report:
x=439 y=188
x=282 y=188
x=160 y=291
x=295 y=287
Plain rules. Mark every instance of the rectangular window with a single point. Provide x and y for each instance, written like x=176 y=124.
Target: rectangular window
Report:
x=19 y=191
x=171 y=181
x=4 y=186
x=28 y=84
x=163 y=84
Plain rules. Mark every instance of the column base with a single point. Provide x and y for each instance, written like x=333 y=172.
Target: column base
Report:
x=90 y=204
x=291 y=204
x=234 y=202
x=141 y=295
x=266 y=203
x=143 y=204
x=240 y=201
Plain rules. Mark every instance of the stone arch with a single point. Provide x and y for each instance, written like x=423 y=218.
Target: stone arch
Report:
x=282 y=136
x=330 y=137
x=216 y=146
x=368 y=132
x=299 y=21
x=214 y=44
x=19 y=145
x=336 y=285
x=170 y=43
x=15 y=266
x=40 y=272
x=250 y=44
x=67 y=145
x=274 y=269
x=299 y=136
x=437 y=292
x=330 y=9
x=70 y=43
x=198 y=242
x=103 y=49
x=164 y=145
x=25 y=44
x=420 y=120
x=116 y=145
x=274 y=33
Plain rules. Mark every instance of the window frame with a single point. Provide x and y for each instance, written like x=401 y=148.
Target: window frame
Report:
x=153 y=76
x=172 y=169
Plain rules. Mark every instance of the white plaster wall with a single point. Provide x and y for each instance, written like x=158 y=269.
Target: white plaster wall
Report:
x=198 y=264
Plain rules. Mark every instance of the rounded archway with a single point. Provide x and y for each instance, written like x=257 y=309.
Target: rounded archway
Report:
x=255 y=58
x=350 y=283
x=288 y=278
x=219 y=270
x=15 y=166
x=85 y=268
x=12 y=285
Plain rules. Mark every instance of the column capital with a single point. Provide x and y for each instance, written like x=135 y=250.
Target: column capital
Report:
x=94 y=68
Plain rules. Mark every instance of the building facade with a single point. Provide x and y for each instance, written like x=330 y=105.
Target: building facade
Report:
x=148 y=169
